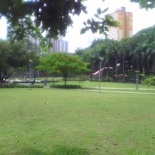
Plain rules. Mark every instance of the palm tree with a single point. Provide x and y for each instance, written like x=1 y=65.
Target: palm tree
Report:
x=124 y=51
x=113 y=52
x=151 y=57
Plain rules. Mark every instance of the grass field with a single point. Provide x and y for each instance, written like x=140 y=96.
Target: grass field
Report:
x=75 y=122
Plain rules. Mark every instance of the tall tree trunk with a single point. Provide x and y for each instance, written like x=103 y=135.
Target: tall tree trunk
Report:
x=143 y=69
x=116 y=66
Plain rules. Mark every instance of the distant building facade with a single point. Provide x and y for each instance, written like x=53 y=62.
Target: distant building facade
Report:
x=125 y=28
x=59 y=45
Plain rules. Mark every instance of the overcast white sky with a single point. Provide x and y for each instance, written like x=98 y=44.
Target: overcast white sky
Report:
x=3 y=30
x=141 y=19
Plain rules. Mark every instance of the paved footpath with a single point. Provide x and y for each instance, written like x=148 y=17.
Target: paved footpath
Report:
x=120 y=90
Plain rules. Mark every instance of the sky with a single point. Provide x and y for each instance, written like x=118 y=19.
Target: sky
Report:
x=3 y=28
x=141 y=19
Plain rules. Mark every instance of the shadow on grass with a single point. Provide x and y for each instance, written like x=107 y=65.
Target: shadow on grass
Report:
x=59 y=150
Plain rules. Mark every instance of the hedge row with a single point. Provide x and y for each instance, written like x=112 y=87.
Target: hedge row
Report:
x=13 y=85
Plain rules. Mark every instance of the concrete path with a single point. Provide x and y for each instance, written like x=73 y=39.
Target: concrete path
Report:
x=120 y=90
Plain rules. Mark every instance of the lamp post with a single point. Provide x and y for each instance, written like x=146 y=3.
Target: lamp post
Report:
x=123 y=66
x=137 y=79
x=100 y=62
x=30 y=61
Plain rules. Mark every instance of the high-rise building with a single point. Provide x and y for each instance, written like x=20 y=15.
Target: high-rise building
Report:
x=59 y=45
x=125 y=28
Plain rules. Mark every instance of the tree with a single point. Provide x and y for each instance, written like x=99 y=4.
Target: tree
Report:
x=100 y=24
x=14 y=55
x=124 y=54
x=142 y=44
x=25 y=17
x=63 y=63
x=51 y=16
x=113 y=50
x=4 y=54
x=136 y=53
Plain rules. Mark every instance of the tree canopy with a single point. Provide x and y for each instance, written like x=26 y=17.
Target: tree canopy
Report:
x=33 y=17
x=14 y=55
x=136 y=53
x=100 y=23
x=62 y=63
x=51 y=16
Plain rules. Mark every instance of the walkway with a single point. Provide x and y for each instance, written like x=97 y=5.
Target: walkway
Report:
x=122 y=90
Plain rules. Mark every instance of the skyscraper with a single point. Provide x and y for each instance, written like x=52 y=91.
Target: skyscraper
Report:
x=59 y=45
x=125 y=28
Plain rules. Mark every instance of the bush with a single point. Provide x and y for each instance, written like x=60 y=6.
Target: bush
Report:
x=149 y=80
x=108 y=79
x=66 y=86
x=15 y=85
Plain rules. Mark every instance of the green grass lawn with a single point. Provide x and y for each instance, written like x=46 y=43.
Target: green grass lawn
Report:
x=110 y=86
x=75 y=122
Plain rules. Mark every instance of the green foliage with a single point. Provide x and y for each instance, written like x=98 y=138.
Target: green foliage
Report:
x=108 y=79
x=63 y=63
x=28 y=17
x=51 y=16
x=149 y=80
x=16 y=85
x=137 y=53
x=82 y=77
x=66 y=86
x=99 y=25
x=25 y=30
x=15 y=55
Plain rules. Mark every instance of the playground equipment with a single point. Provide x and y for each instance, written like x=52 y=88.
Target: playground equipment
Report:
x=105 y=68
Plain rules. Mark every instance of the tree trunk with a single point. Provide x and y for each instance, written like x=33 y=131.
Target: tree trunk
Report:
x=65 y=78
x=116 y=67
x=143 y=69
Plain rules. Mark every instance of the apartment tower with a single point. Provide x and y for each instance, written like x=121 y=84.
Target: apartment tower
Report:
x=59 y=45
x=125 y=28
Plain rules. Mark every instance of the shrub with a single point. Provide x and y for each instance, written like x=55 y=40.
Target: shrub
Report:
x=149 y=80
x=108 y=79
x=66 y=86
x=15 y=85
